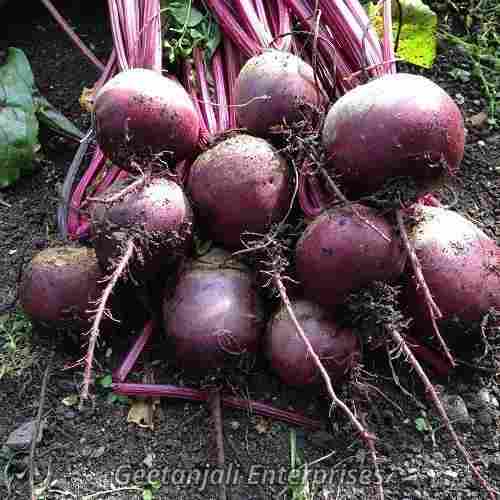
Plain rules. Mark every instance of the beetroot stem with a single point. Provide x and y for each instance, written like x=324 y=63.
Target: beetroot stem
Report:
x=432 y=307
x=215 y=410
x=367 y=437
x=186 y=393
x=128 y=363
x=100 y=313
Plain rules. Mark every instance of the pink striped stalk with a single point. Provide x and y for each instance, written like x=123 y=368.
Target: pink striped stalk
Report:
x=188 y=394
x=206 y=97
x=262 y=24
x=232 y=66
x=130 y=359
x=330 y=48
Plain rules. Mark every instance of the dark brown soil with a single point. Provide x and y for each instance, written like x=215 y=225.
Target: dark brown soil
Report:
x=97 y=450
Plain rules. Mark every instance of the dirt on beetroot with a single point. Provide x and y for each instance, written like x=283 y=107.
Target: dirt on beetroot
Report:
x=97 y=450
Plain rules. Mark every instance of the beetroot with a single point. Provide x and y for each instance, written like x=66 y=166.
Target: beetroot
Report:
x=345 y=249
x=460 y=263
x=241 y=184
x=140 y=113
x=60 y=285
x=272 y=88
x=337 y=348
x=157 y=217
x=215 y=313
x=396 y=125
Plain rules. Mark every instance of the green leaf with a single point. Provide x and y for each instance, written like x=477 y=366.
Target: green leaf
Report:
x=105 y=381
x=155 y=484
x=18 y=123
x=417 y=39
x=421 y=424
x=180 y=13
x=17 y=82
x=55 y=120
x=147 y=494
x=187 y=27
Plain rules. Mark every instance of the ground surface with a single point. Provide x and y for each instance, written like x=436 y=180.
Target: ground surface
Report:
x=97 y=450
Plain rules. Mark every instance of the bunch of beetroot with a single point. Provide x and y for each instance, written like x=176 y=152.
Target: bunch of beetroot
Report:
x=206 y=162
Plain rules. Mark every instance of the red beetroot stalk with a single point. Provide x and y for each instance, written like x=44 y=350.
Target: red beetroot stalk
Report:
x=74 y=37
x=251 y=22
x=230 y=25
x=215 y=410
x=262 y=15
x=128 y=363
x=206 y=104
x=172 y=391
x=189 y=75
x=353 y=32
x=74 y=217
x=431 y=391
x=388 y=46
x=100 y=313
x=220 y=92
x=232 y=66
x=432 y=307
x=367 y=437
x=280 y=23
x=68 y=227
x=338 y=68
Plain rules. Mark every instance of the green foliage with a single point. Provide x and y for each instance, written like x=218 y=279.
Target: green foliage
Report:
x=21 y=108
x=186 y=27
x=417 y=34
x=422 y=425
x=104 y=382
x=18 y=122
x=15 y=344
x=480 y=42
x=149 y=490
x=298 y=483
x=418 y=37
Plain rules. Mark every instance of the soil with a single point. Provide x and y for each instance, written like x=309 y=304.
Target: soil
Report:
x=96 y=450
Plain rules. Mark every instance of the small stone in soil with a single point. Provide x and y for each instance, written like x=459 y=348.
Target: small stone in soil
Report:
x=20 y=438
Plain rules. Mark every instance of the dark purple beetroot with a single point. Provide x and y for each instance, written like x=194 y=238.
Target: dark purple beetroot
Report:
x=272 y=88
x=396 y=125
x=61 y=285
x=215 y=314
x=241 y=184
x=338 y=348
x=158 y=218
x=460 y=263
x=340 y=252
x=140 y=113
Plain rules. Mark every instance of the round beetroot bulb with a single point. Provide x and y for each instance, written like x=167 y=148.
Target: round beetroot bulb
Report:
x=140 y=113
x=215 y=313
x=239 y=185
x=460 y=263
x=61 y=284
x=337 y=348
x=272 y=88
x=156 y=216
x=396 y=125
x=345 y=249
